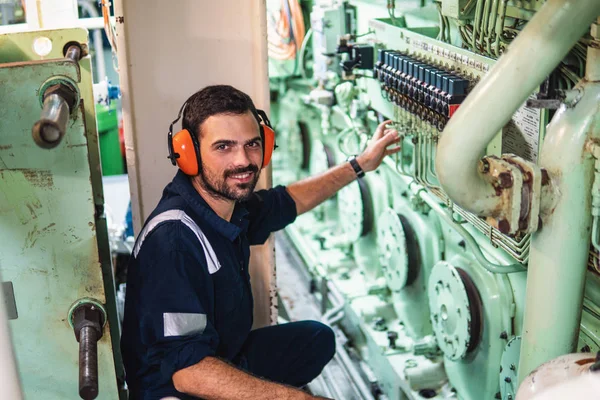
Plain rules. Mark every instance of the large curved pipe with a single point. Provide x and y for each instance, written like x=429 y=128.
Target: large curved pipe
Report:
x=533 y=55
x=559 y=251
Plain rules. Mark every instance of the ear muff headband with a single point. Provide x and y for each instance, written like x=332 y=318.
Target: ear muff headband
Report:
x=184 y=147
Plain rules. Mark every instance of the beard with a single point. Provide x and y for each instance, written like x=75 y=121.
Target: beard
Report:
x=219 y=187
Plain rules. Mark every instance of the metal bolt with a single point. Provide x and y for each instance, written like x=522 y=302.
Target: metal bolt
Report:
x=512 y=367
x=505 y=180
x=507 y=379
x=504 y=335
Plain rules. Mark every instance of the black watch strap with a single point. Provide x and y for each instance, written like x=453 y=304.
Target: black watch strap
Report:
x=359 y=171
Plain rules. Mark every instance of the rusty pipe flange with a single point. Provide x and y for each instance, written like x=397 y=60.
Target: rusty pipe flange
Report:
x=398 y=250
x=531 y=192
x=456 y=310
x=517 y=184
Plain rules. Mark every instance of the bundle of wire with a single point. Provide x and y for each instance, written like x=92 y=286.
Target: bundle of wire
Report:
x=286 y=31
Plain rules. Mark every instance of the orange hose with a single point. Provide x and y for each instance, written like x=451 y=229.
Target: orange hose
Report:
x=280 y=45
x=107 y=26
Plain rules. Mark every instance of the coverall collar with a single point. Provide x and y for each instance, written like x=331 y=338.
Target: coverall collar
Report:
x=231 y=230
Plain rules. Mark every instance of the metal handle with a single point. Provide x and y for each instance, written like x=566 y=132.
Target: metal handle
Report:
x=87 y=319
x=49 y=130
x=88 y=363
x=73 y=52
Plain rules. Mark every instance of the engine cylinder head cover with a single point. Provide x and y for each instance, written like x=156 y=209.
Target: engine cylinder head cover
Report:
x=456 y=310
x=398 y=250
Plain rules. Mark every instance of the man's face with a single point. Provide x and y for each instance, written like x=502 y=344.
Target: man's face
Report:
x=231 y=154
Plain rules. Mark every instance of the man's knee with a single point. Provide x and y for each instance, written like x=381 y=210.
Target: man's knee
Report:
x=324 y=338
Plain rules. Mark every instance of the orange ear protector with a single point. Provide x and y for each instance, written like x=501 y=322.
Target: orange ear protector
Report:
x=184 y=147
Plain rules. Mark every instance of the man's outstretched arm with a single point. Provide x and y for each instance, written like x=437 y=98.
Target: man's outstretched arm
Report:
x=213 y=379
x=310 y=192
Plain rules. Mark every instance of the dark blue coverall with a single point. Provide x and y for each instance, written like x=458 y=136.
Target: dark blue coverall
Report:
x=178 y=309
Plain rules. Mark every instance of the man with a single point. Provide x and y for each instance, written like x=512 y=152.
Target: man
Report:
x=188 y=309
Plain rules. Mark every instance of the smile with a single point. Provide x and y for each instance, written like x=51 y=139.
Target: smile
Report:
x=242 y=177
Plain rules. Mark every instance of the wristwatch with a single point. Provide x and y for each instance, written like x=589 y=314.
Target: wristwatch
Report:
x=359 y=171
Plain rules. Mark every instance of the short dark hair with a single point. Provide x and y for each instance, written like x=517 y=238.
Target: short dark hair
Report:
x=213 y=100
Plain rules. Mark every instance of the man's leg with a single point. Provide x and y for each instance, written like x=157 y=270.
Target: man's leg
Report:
x=293 y=353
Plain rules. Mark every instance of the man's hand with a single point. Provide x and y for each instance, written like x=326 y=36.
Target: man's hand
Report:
x=310 y=192
x=215 y=379
x=377 y=149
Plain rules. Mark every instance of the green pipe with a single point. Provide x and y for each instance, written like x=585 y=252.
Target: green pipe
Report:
x=559 y=251
x=492 y=23
x=484 y=24
x=500 y=27
x=476 y=24
x=307 y=37
x=490 y=27
x=533 y=55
